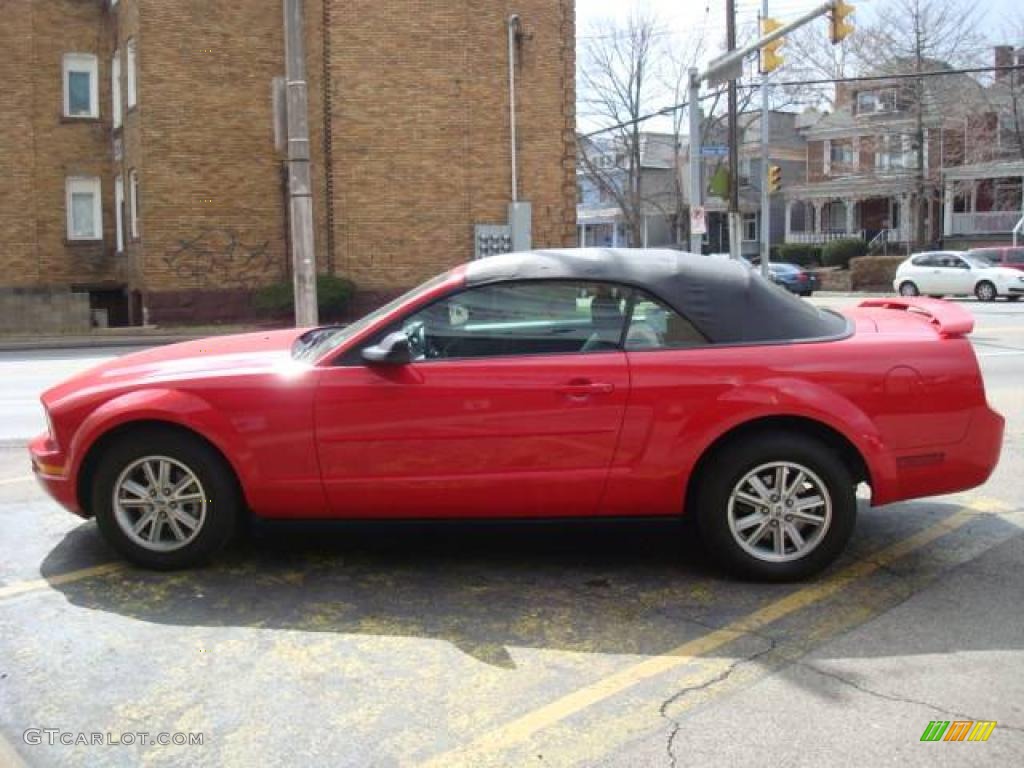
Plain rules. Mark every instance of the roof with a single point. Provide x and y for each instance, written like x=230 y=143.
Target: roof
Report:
x=727 y=301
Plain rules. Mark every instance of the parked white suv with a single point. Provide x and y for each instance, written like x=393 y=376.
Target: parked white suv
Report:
x=942 y=273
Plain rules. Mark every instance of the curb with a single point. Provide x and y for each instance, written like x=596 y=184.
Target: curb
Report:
x=87 y=342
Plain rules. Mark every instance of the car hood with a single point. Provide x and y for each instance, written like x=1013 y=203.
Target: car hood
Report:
x=238 y=354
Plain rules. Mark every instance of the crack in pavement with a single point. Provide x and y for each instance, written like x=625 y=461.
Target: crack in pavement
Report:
x=899 y=699
x=720 y=677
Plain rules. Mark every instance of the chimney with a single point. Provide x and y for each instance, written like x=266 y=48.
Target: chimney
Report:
x=1003 y=58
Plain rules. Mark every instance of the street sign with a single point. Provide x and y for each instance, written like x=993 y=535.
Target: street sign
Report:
x=698 y=220
x=714 y=150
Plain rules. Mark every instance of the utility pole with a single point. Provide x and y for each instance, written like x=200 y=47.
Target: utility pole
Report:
x=729 y=67
x=696 y=192
x=300 y=191
x=766 y=217
x=735 y=222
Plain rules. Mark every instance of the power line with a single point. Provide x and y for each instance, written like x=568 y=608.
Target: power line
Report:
x=664 y=111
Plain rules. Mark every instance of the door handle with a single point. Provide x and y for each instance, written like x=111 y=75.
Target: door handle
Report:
x=584 y=388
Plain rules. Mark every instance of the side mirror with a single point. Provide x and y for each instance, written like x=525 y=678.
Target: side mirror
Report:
x=393 y=349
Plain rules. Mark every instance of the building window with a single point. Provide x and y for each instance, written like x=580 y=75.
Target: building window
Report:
x=132 y=75
x=133 y=190
x=895 y=151
x=881 y=100
x=749 y=227
x=80 y=92
x=841 y=153
x=115 y=88
x=84 y=212
x=119 y=211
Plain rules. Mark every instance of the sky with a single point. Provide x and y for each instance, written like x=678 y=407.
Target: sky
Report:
x=681 y=17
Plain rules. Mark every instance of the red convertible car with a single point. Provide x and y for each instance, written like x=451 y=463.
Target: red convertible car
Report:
x=549 y=384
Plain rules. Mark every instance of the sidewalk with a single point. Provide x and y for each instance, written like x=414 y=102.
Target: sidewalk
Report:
x=122 y=337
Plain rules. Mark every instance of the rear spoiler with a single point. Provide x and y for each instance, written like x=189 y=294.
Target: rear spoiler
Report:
x=949 y=319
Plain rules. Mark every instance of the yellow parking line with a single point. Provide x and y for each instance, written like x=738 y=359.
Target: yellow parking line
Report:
x=21 y=587
x=13 y=480
x=520 y=729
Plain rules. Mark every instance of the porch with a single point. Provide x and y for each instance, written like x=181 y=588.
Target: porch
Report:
x=867 y=208
x=984 y=199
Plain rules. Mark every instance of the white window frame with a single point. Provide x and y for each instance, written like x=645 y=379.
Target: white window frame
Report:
x=132 y=79
x=81 y=62
x=117 y=110
x=119 y=211
x=750 y=219
x=77 y=185
x=133 y=214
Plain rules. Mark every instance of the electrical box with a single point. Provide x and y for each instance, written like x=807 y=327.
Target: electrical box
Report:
x=491 y=239
x=519 y=221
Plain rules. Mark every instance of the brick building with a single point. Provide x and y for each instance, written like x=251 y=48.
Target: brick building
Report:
x=137 y=156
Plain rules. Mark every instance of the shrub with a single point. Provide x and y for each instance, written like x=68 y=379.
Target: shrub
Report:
x=333 y=295
x=838 y=253
x=804 y=254
x=874 y=272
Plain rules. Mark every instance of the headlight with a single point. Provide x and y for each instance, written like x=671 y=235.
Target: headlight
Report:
x=49 y=425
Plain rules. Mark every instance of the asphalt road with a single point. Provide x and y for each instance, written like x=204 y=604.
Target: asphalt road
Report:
x=559 y=646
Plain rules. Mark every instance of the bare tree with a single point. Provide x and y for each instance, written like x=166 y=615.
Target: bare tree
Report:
x=616 y=84
x=921 y=36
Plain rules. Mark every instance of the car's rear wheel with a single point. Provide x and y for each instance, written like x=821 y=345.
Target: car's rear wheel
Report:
x=1013 y=298
x=165 y=499
x=985 y=291
x=909 y=288
x=776 y=507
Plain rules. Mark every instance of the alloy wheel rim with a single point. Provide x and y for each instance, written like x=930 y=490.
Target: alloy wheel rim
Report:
x=159 y=503
x=986 y=291
x=908 y=290
x=779 y=512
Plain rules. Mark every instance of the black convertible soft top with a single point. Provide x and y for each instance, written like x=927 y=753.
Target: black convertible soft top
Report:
x=726 y=300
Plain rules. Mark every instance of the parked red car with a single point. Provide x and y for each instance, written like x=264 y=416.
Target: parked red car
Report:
x=538 y=385
x=1002 y=256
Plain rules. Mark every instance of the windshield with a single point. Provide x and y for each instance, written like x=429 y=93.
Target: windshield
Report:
x=329 y=338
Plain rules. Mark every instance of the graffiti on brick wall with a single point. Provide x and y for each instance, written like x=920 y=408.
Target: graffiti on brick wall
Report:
x=217 y=257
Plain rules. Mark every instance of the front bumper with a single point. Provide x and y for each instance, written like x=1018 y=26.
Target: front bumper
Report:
x=50 y=469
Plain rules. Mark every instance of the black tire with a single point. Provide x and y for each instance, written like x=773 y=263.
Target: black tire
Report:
x=217 y=479
x=985 y=290
x=909 y=288
x=935 y=295
x=733 y=462
x=1013 y=298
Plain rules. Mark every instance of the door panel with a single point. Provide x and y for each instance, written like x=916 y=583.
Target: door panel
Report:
x=480 y=437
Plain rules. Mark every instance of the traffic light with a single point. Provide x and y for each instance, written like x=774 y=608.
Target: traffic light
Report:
x=770 y=58
x=774 y=178
x=838 y=21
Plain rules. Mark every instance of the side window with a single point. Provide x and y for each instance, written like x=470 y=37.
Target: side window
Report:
x=1015 y=256
x=926 y=261
x=520 y=318
x=653 y=325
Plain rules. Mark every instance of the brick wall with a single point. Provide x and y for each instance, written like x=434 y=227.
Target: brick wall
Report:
x=412 y=94
x=39 y=148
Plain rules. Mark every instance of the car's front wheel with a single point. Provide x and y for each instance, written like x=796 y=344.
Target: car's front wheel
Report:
x=165 y=499
x=985 y=291
x=908 y=288
x=776 y=507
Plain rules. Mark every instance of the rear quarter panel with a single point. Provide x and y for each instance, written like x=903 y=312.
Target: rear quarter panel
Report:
x=890 y=394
